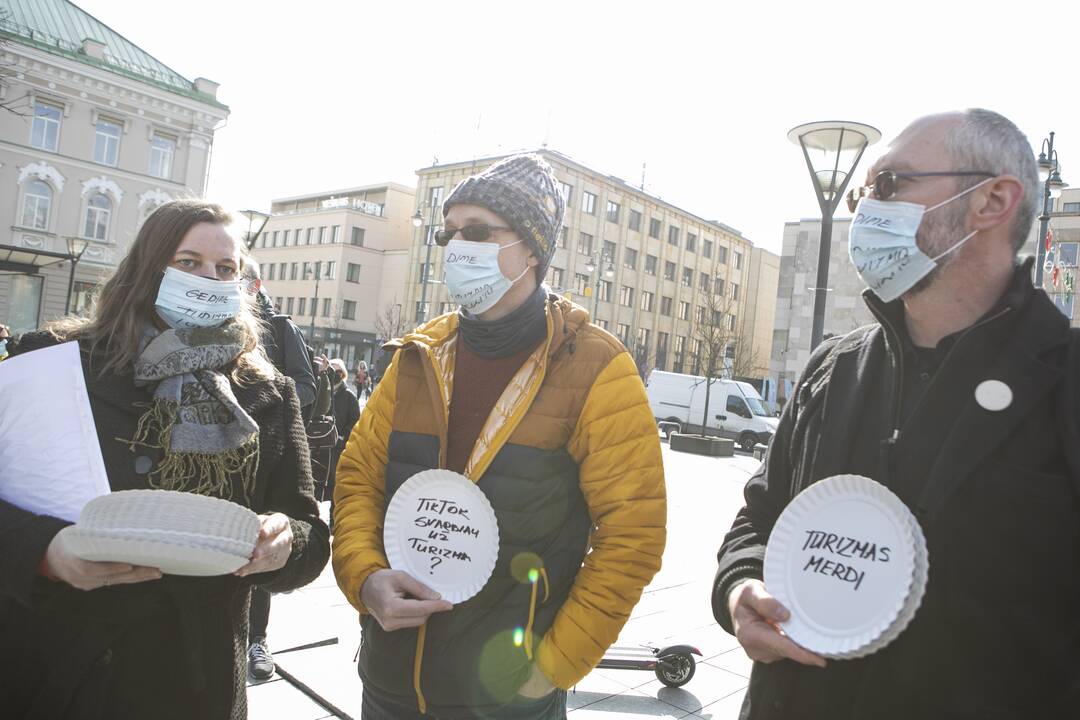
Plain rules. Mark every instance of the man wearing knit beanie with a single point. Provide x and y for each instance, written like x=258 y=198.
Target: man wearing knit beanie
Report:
x=545 y=412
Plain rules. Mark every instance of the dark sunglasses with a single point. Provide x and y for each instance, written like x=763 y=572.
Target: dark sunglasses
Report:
x=885 y=184
x=472 y=233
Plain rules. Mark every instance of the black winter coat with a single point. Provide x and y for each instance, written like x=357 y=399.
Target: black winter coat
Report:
x=998 y=633
x=172 y=648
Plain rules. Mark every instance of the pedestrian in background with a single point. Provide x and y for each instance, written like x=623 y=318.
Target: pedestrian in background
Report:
x=963 y=400
x=346 y=413
x=548 y=416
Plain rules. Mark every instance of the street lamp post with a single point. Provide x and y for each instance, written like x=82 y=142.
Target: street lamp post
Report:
x=592 y=266
x=253 y=216
x=76 y=248
x=1050 y=174
x=833 y=144
x=418 y=221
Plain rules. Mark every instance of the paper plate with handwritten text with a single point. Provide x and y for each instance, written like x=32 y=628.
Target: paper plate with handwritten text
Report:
x=440 y=528
x=849 y=561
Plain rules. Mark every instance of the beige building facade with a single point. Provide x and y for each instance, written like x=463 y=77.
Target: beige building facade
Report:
x=337 y=262
x=663 y=263
x=95 y=135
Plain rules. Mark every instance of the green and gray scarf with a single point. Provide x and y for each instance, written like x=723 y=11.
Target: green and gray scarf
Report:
x=194 y=417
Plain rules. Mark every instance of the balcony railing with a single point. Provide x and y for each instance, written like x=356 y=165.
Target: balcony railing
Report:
x=363 y=206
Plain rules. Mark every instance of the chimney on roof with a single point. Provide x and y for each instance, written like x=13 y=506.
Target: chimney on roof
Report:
x=206 y=87
x=93 y=48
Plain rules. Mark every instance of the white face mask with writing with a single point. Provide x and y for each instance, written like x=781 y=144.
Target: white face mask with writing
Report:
x=473 y=278
x=185 y=300
x=881 y=244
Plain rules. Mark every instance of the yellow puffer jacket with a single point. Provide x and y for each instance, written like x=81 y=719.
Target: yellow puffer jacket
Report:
x=573 y=428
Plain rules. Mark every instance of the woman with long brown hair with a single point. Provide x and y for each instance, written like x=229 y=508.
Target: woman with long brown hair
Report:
x=183 y=399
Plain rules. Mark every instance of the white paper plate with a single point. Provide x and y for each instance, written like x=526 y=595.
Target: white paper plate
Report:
x=440 y=529
x=845 y=596
x=169 y=557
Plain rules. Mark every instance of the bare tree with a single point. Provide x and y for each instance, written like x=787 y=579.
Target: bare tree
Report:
x=714 y=329
x=389 y=322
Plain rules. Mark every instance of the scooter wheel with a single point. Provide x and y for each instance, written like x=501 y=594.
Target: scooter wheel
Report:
x=676 y=669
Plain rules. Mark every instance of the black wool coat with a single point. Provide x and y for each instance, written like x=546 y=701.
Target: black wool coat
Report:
x=171 y=648
x=995 y=491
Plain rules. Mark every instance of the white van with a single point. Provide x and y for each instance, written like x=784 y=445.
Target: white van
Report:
x=735 y=408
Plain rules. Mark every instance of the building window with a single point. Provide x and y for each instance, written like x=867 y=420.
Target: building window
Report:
x=601 y=323
x=289 y=305
x=24 y=302
x=630 y=258
x=435 y=197
x=673 y=236
x=331 y=270
x=82 y=297
x=737 y=261
x=564 y=232
x=699 y=316
x=680 y=353
x=358 y=236
x=626 y=296
x=162 y=152
x=305 y=270
x=352 y=273
x=301 y=306
x=666 y=304
x=308 y=235
x=580 y=283
x=567 y=192
x=623 y=333
x=98 y=214
x=281 y=271
x=1070 y=207
x=642 y=347
x=722 y=255
x=706 y=248
x=734 y=291
x=718 y=286
x=348 y=310
x=635 y=221
x=688 y=277
x=731 y=323
x=335 y=234
x=37 y=204
x=691 y=242
x=647 y=300
x=661 y=350
x=424 y=276
x=695 y=354
x=651 y=262
x=684 y=310
x=262 y=240
x=555 y=277
x=1066 y=254
x=326 y=307
x=705 y=282
x=609 y=251
x=588 y=202
x=613 y=212
x=293 y=269
x=107 y=142
x=445 y=307
x=274 y=238
x=268 y=274
x=584 y=245
x=322 y=235
x=605 y=290
x=45 y=128
x=654 y=228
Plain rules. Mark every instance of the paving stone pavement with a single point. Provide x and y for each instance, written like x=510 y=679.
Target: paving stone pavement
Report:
x=703 y=496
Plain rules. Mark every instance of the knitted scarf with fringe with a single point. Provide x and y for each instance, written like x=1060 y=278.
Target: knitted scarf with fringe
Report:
x=194 y=418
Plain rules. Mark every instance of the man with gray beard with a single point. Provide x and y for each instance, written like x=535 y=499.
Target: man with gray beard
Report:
x=962 y=399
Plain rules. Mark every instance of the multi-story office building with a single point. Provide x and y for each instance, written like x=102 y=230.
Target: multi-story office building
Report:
x=844 y=306
x=336 y=261
x=95 y=133
x=645 y=269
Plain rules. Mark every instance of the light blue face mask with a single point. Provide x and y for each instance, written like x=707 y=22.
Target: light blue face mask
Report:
x=881 y=244
x=473 y=278
x=187 y=301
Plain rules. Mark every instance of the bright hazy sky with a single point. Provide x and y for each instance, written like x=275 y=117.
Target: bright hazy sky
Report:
x=331 y=94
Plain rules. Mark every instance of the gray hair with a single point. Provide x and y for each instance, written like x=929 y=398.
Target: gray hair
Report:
x=985 y=140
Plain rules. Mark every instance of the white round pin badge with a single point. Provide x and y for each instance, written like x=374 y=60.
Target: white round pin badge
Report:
x=993 y=395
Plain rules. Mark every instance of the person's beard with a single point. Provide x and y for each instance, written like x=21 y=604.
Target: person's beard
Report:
x=938 y=232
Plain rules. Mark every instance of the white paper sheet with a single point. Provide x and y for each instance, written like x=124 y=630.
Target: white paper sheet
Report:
x=50 y=460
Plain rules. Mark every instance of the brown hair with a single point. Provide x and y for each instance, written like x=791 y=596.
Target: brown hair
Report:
x=125 y=305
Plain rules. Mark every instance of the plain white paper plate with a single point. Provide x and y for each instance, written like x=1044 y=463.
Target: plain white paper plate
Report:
x=168 y=557
x=850 y=596
x=440 y=528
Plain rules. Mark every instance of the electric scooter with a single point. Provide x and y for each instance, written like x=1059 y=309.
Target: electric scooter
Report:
x=674 y=665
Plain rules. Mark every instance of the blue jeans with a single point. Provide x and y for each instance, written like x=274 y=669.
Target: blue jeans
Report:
x=552 y=707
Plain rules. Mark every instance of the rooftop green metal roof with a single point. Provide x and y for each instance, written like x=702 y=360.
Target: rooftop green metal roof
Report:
x=59 y=27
